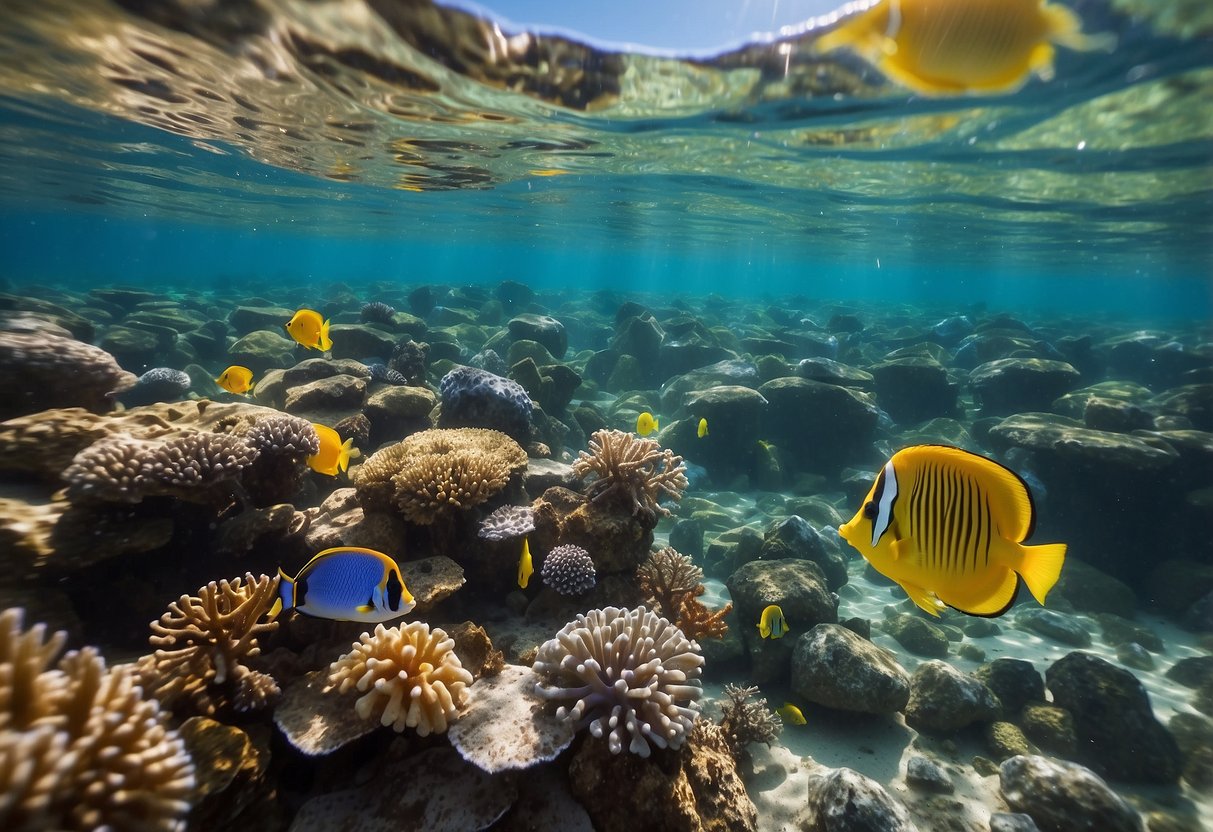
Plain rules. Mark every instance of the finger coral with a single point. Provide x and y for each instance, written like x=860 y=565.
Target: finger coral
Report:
x=203 y=642
x=636 y=471
x=435 y=472
x=633 y=676
x=80 y=749
x=408 y=676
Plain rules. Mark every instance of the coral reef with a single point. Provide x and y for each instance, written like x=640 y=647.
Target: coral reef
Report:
x=569 y=570
x=633 y=676
x=745 y=719
x=635 y=471
x=283 y=435
x=203 y=643
x=673 y=584
x=40 y=371
x=408 y=676
x=80 y=749
x=410 y=358
x=385 y=374
x=477 y=398
x=507 y=523
x=159 y=384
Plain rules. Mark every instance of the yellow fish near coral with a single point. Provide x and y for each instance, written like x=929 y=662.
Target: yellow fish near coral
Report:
x=948 y=526
x=646 y=423
x=791 y=715
x=307 y=327
x=236 y=379
x=772 y=624
x=526 y=568
x=952 y=47
x=347 y=583
x=334 y=455
x=703 y=428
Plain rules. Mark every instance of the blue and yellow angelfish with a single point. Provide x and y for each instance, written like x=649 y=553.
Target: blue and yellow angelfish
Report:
x=347 y=583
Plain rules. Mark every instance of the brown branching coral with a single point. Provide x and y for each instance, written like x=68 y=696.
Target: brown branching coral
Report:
x=436 y=472
x=203 y=642
x=631 y=469
x=673 y=584
x=80 y=749
x=697 y=621
x=747 y=720
x=408 y=676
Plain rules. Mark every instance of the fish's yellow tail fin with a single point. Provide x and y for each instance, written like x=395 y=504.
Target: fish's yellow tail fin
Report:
x=867 y=33
x=1040 y=567
x=1065 y=27
x=326 y=343
x=343 y=456
x=286 y=593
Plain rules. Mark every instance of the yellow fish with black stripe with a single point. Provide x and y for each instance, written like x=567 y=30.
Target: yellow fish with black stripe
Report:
x=949 y=526
x=771 y=623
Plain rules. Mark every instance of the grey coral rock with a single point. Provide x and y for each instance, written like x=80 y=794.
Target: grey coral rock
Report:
x=159 y=384
x=569 y=570
x=943 y=700
x=843 y=800
x=477 y=398
x=837 y=668
x=1061 y=796
x=40 y=371
x=284 y=435
x=508 y=523
x=632 y=675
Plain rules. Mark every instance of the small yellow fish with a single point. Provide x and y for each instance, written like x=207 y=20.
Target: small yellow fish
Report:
x=791 y=715
x=334 y=455
x=548 y=172
x=307 y=327
x=525 y=567
x=948 y=526
x=236 y=379
x=772 y=624
x=703 y=428
x=646 y=423
x=953 y=47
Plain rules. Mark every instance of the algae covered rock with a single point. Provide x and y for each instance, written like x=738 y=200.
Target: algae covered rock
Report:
x=833 y=666
x=944 y=700
x=822 y=426
x=918 y=636
x=843 y=800
x=1014 y=681
x=1019 y=385
x=1061 y=796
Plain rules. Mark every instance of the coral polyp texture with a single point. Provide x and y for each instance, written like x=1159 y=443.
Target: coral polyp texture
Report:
x=746 y=719
x=408 y=676
x=569 y=570
x=631 y=675
x=80 y=748
x=478 y=398
x=507 y=523
x=636 y=471
x=282 y=434
x=203 y=642
x=440 y=471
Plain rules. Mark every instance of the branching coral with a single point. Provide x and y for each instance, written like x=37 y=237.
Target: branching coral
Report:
x=747 y=720
x=633 y=674
x=631 y=469
x=408 y=676
x=203 y=643
x=79 y=746
x=673 y=583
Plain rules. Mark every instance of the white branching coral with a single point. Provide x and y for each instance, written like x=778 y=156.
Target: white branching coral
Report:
x=633 y=674
x=204 y=642
x=80 y=748
x=408 y=676
x=630 y=468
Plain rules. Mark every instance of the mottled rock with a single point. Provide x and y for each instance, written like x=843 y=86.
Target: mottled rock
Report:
x=1061 y=796
x=830 y=372
x=916 y=635
x=1192 y=672
x=926 y=774
x=843 y=800
x=1012 y=822
x=1131 y=654
x=797 y=586
x=1050 y=727
x=395 y=412
x=261 y=350
x=340 y=392
x=543 y=329
x=821 y=427
x=833 y=666
x=1053 y=625
x=944 y=700
x=360 y=340
x=793 y=537
x=1005 y=739
x=246 y=319
x=913 y=389
x=1015 y=682
x=1020 y=385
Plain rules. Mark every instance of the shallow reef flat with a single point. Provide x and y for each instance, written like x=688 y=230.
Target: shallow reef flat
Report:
x=583 y=600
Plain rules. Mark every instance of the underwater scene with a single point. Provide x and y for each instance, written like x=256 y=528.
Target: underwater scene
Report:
x=692 y=417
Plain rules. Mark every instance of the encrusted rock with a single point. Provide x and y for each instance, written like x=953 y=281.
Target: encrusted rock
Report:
x=837 y=668
x=1061 y=796
x=943 y=700
x=916 y=635
x=1014 y=681
x=843 y=800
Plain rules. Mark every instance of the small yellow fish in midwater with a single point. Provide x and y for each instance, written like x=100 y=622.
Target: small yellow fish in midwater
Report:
x=307 y=327
x=948 y=526
x=334 y=455
x=772 y=624
x=791 y=715
x=236 y=379
x=525 y=566
x=702 y=431
x=646 y=423
x=952 y=47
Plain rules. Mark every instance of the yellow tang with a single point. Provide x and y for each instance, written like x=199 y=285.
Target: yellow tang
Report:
x=772 y=624
x=703 y=428
x=236 y=379
x=525 y=567
x=791 y=715
x=948 y=526
x=646 y=423
x=951 y=47
x=334 y=455
x=307 y=327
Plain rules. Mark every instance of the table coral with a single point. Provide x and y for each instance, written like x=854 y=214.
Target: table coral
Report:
x=80 y=749
x=203 y=643
x=631 y=469
x=408 y=676
x=633 y=674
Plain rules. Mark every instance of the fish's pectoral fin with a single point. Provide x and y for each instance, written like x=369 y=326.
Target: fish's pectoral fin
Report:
x=923 y=599
x=363 y=609
x=901 y=548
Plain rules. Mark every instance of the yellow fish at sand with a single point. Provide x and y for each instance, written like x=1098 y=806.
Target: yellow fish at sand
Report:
x=307 y=327
x=526 y=568
x=236 y=379
x=646 y=423
x=952 y=47
x=772 y=624
x=791 y=715
x=334 y=455
x=702 y=430
x=949 y=526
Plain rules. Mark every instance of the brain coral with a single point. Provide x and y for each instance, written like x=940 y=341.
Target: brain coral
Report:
x=39 y=371
x=80 y=748
x=631 y=469
x=569 y=570
x=436 y=471
x=408 y=676
x=478 y=398
x=633 y=676
x=283 y=434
